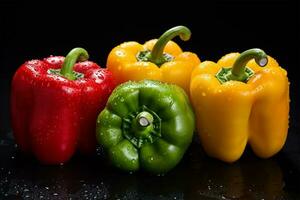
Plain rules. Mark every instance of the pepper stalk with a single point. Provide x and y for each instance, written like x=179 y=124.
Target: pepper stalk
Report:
x=239 y=71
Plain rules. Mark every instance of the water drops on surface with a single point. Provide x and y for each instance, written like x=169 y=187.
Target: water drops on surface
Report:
x=55 y=194
x=160 y=174
x=26 y=190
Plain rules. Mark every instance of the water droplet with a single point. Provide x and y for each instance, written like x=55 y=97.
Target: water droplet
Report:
x=55 y=194
x=223 y=197
x=151 y=158
x=26 y=190
x=47 y=188
x=203 y=94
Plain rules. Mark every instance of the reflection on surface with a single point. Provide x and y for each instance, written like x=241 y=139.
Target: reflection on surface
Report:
x=249 y=178
x=196 y=177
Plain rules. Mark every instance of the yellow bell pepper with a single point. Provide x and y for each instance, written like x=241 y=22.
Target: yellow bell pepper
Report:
x=239 y=105
x=160 y=59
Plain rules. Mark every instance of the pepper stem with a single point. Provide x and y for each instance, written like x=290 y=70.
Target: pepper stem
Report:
x=238 y=72
x=158 y=49
x=76 y=54
x=142 y=125
x=144 y=118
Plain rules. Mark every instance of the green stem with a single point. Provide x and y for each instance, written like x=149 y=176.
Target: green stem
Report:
x=144 y=118
x=238 y=70
x=76 y=54
x=158 y=49
x=143 y=126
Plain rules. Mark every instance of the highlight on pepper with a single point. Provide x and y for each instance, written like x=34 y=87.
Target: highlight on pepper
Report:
x=243 y=98
x=160 y=59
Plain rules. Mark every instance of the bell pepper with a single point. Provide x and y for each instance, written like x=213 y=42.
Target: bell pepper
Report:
x=160 y=59
x=146 y=125
x=237 y=104
x=54 y=108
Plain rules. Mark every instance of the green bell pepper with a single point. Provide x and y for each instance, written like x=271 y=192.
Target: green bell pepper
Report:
x=146 y=124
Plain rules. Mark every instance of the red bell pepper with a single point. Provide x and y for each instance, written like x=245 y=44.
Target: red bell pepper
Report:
x=54 y=108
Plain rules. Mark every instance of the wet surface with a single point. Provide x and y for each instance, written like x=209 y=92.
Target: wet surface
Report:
x=196 y=177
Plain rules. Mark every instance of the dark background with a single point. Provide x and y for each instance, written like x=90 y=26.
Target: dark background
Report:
x=30 y=30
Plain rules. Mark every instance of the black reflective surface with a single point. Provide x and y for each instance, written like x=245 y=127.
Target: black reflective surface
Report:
x=196 y=177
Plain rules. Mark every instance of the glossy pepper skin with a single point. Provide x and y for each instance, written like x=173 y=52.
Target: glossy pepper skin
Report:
x=160 y=59
x=146 y=125
x=52 y=115
x=250 y=107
